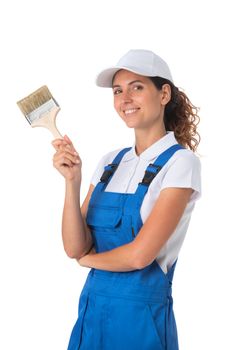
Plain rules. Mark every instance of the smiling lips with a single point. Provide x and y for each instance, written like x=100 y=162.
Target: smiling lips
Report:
x=130 y=111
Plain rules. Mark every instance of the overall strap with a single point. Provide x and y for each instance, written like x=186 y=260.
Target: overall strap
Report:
x=110 y=169
x=154 y=168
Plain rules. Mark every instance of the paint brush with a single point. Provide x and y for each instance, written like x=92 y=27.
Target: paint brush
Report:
x=40 y=109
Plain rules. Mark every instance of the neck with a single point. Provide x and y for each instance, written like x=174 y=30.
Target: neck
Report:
x=144 y=139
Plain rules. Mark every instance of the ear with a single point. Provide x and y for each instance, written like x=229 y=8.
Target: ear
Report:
x=165 y=94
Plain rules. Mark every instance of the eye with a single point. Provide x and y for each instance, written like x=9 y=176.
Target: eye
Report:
x=137 y=87
x=117 y=91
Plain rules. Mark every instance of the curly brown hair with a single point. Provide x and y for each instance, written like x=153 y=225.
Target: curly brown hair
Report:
x=180 y=115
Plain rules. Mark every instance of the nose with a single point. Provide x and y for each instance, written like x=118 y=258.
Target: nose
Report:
x=126 y=97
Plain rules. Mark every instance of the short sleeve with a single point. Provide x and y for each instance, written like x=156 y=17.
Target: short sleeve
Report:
x=98 y=171
x=184 y=172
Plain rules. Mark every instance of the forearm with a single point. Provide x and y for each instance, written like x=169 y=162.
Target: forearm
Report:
x=119 y=259
x=76 y=238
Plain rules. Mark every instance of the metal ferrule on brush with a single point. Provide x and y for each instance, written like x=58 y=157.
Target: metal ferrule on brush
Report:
x=43 y=109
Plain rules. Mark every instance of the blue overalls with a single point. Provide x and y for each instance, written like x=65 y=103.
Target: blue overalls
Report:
x=124 y=310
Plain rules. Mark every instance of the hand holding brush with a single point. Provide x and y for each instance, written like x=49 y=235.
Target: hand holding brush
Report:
x=66 y=159
x=40 y=109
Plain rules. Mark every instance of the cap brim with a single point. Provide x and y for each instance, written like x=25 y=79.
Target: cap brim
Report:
x=105 y=77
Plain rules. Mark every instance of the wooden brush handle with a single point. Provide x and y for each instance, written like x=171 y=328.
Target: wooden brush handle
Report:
x=48 y=121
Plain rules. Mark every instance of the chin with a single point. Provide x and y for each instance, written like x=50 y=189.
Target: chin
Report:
x=131 y=125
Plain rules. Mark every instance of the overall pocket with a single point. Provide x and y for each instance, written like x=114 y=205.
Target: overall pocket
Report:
x=103 y=217
x=76 y=334
x=157 y=318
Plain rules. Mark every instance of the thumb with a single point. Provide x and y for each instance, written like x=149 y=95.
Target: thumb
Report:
x=67 y=139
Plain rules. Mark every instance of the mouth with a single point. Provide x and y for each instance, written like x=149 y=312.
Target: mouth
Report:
x=130 y=111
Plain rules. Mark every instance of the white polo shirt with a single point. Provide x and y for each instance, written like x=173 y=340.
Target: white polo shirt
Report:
x=182 y=170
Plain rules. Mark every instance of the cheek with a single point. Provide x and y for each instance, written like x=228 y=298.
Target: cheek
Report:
x=154 y=102
x=116 y=105
x=153 y=108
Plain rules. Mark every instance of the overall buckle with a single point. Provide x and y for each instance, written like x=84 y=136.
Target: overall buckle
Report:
x=150 y=175
x=108 y=172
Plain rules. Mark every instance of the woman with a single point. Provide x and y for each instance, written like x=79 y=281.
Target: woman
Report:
x=131 y=226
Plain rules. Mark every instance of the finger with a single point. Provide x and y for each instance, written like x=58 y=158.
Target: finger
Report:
x=63 y=156
x=68 y=139
x=69 y=142
x=63 y=162
x=57 y=143
x=63 y=145
x=57 y=140
x=68 y=149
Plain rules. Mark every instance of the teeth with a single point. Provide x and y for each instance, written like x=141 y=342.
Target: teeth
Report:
x=129 y=111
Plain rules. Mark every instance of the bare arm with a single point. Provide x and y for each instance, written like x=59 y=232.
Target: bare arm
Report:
x=157 y=229
x=76 y=236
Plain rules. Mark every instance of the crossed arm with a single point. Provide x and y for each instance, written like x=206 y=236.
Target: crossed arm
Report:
x=156 y=230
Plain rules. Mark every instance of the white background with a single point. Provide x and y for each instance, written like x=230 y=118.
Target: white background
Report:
x=64 y=44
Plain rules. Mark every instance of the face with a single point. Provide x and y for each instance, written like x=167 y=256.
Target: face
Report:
x=137 y=101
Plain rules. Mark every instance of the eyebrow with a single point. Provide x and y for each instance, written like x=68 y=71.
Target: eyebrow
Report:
x=132 y=82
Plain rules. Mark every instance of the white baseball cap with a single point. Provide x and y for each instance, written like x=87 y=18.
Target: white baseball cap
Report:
x=142 y=62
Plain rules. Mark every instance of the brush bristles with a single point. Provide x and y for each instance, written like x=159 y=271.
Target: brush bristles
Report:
x=33 y=101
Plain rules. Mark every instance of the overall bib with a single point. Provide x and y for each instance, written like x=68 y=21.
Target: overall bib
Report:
x=124 y=310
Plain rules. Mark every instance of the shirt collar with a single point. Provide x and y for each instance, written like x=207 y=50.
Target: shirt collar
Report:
x=154 y=150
